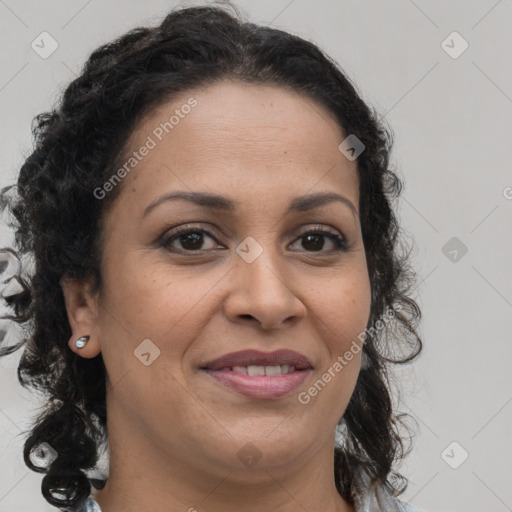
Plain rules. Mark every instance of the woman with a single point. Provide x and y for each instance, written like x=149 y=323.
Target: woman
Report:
x=217 y=288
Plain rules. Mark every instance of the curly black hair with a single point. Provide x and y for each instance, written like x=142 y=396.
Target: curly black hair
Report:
x=58 y=227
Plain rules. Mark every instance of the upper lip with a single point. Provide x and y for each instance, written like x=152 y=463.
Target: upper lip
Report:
x=258 y=358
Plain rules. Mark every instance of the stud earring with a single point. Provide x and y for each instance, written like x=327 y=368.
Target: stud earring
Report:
x=80 y=342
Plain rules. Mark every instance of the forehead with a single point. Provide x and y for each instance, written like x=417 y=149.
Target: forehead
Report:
x=241 y=135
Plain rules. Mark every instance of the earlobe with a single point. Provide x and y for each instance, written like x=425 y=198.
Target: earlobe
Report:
x=80 y=342
x=82 y=346
x=81 y=310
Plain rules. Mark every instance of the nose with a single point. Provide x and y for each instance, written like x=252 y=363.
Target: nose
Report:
x=261 y=294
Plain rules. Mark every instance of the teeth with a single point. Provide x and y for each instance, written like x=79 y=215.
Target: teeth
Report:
x=254 y=371
x=272 y=370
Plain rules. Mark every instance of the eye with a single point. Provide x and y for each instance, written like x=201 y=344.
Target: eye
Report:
x=313 y=240
x=190 y=238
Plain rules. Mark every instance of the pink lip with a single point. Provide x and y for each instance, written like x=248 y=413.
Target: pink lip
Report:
x=257 y=358
x=261 y=386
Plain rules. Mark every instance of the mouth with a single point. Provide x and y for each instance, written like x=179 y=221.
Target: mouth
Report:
x=251 y=359
x=256 y=374
x=259 y=371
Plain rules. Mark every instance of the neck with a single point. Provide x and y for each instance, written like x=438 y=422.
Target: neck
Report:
x=148 y=472
x=149 y=479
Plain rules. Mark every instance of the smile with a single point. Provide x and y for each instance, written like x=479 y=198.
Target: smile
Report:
x=264 y=382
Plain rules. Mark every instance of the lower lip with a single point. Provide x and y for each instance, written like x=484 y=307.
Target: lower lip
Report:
x=260 y=386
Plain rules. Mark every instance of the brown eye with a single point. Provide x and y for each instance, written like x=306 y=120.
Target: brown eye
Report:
x=314 y=241
x=192 y=239
x=189 y=239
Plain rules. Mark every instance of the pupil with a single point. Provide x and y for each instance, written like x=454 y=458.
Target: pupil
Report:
x=315 y=238
x=196 y=243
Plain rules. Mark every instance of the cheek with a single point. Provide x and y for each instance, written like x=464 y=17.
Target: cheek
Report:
x=343 y=305
x=169 y=309
x=149 y=302
x=343 y=311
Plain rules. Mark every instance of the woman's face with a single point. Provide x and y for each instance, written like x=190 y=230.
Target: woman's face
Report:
x=245 y=277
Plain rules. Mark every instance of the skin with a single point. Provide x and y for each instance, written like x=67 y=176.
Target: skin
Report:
x=174 y=432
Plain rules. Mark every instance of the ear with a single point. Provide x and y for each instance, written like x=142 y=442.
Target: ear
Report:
x=82 y=310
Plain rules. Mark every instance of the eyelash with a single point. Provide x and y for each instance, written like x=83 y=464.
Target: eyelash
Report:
x=339 y=241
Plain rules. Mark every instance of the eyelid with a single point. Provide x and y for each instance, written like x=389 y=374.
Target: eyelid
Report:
x=304 y=228
x=320 y=227
x=171 y=233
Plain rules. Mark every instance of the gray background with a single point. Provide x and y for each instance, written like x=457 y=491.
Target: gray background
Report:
x=452 y=120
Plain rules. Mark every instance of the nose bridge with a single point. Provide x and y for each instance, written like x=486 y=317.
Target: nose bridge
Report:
x=260 y=263
x=261 y=251
x=260 y=286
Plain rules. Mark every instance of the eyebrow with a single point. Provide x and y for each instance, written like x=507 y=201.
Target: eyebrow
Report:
x=216 y=202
